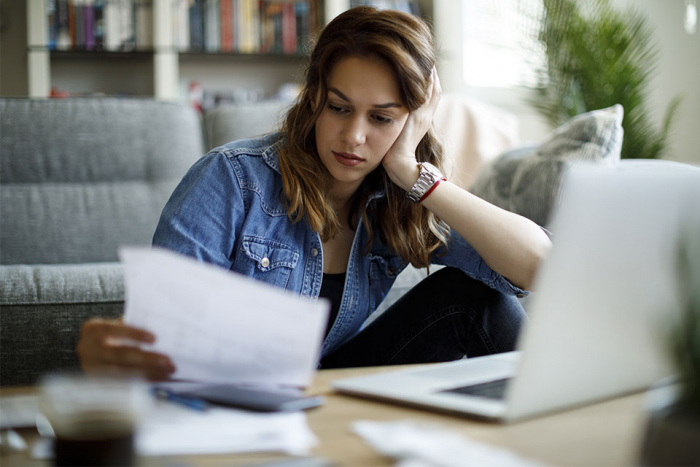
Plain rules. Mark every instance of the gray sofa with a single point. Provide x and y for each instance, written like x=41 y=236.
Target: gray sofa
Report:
x=78 y=178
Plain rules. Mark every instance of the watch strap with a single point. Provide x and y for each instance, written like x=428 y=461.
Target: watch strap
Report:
x=429 y=178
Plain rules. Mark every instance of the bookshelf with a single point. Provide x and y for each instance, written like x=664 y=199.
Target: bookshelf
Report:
x=164 y=63
x=152 y=72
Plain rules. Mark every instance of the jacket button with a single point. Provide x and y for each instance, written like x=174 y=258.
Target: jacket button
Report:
x=265 y=262
x=314 y=252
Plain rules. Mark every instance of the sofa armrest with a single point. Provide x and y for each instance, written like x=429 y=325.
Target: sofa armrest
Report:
x=42 y=308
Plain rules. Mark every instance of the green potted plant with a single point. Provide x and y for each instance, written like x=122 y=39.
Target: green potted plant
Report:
x=673 y=430
x=597 y=57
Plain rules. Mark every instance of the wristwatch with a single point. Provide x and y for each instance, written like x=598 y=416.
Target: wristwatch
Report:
x=430 y=177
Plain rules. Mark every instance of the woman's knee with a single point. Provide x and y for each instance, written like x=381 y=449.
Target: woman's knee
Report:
x=453 y=282
x=499 y=315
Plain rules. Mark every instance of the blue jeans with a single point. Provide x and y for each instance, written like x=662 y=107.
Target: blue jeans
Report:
x=447 y=316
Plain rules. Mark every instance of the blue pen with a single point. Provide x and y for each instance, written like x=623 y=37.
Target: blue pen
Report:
x=191 y=402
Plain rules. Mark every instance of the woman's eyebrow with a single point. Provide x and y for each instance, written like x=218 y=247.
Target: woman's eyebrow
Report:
x=379 y=106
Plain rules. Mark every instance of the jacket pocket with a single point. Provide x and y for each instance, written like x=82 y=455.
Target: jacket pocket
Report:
x=267 y=260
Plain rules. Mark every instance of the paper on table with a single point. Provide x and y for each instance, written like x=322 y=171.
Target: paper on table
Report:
x=18 y=411
x=170 y=429
x=420 y=444
x=220 y=326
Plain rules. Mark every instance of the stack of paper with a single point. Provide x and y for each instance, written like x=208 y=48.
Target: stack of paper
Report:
x=170 y=429
x=167 y=429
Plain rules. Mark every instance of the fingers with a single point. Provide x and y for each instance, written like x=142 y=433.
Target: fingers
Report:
x=431 y=85
x=153 y=373
x=129 y=360
x=99 y=329
x=434 y=91
x=102 y=348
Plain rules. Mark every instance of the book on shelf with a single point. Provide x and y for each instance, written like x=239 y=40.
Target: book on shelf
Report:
x=143 y=19
x=212 y=26
x=181 y=24
x=231 y=26
x=127 y=39
x=289 y=29
x=99 y=29
x=111 y=26
x=225 y=25
x=89 y=22
x=196 y=23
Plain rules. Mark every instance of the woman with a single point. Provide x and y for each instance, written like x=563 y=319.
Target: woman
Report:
x=337 y=204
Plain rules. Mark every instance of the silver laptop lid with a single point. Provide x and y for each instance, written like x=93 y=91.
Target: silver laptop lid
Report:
x=607 y=293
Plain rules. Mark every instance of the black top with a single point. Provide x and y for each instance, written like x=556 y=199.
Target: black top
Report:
x=332 y=289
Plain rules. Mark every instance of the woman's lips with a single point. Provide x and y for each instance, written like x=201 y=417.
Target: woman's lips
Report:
x=345 y=158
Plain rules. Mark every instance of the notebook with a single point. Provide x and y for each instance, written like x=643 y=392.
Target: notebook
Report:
x=605 y=298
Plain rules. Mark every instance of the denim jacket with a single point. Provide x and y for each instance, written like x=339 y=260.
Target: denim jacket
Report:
x=228 y=211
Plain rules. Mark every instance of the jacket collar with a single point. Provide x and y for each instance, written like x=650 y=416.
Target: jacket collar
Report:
x=271 y=154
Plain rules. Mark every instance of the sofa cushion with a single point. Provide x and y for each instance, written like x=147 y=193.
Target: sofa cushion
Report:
x=80 y=177
x=42 y=309
x=232 y=122
x=53 y=223
x=528 y=180
x=52 y=284
x=473 y=133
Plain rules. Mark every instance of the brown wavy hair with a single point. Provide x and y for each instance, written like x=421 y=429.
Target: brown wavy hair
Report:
x=405 y=43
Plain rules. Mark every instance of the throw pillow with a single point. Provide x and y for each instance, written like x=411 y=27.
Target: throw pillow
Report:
x=528 y=180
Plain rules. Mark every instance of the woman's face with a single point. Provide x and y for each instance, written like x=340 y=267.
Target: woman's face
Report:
x=362 y=118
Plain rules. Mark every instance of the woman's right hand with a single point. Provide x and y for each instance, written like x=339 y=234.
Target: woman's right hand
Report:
x=112 y=346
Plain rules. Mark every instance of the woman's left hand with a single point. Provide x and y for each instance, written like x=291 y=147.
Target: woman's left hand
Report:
x=400 y=160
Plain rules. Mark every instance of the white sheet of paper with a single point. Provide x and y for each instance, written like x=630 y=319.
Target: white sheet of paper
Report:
x=220 y=326
x=420 y=444
x=170 y=429
x=18 y=411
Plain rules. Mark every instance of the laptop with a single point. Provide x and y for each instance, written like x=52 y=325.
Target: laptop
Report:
x=605 y=299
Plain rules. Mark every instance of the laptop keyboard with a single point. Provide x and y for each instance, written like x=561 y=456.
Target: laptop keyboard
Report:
x=491 y=389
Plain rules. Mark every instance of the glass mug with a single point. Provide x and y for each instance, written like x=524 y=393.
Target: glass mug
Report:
x=94 y=418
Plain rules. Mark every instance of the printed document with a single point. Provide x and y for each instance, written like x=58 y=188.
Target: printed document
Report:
x=219 y=326
x=173 y=430
x=169 y=429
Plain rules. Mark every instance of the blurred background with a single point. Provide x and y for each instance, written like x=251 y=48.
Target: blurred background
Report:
x=490 y=50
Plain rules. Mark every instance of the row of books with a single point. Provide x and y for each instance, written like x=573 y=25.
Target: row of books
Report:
x=244 y=26
x=113 y=25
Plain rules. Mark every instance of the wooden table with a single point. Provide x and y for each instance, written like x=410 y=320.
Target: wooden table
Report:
x=604 y=434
